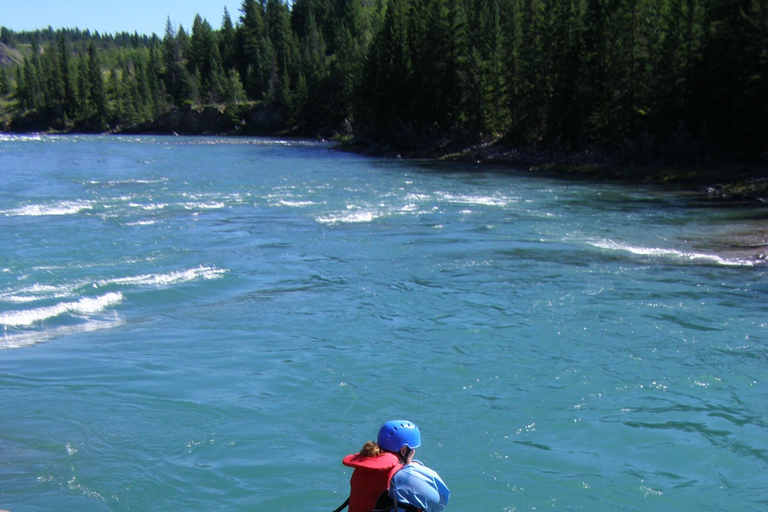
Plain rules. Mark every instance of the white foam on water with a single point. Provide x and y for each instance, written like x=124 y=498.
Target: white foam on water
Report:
x=297 y=204
x=56 y=208
x=149 y=207
x=85 y=306
x=25 y=339
x=476 y=200
x=166 y=279
x=6 y=137
x=204 y=206
x=350 y=218
x=37 y=292
x=674 y=254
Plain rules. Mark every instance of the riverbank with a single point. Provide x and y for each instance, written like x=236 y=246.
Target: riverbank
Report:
x=718 y=178
x=685 y=166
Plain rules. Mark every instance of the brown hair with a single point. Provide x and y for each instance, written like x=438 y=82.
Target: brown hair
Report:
x=371 y=449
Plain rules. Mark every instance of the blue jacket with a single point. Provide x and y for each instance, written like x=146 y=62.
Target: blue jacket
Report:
x=420 y=487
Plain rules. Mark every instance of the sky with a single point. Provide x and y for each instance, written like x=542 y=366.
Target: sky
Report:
x=112 y=16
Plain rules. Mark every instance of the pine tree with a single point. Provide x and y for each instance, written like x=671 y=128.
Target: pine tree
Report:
x=593 y=89
x=532 y=74
x=177 y=79
x=83 y=91
x=282 y=40
x=154 y=79
x=4 y=83
x=731 y=79
x=96 y=84
x=384 y=101
x=227 y=42
x=565 y=116
x=28 y=86
x=70 y=97
x=429 y=42
x=457 y=57
x=233 y=92
x=115 y=91
x=22 y=90
x=251 y=35
x=205 y=58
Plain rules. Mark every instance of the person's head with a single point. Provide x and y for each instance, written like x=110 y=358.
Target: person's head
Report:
x=371 y=449
x=400 y=437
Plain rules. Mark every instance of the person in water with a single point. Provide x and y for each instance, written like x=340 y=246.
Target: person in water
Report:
x=390 y=460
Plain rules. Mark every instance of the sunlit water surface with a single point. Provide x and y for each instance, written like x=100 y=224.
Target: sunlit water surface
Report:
x=212 y=324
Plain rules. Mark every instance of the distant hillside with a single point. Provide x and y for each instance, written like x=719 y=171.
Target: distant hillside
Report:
x=10 y=56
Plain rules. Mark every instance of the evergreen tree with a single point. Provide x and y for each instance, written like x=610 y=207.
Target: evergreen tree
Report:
x=677 y=55
x=205 y=59
x=283 y=42
x=532 y=73
x=593 y=89
x=252 y=41
x=83 y=91
x=732 y=77
x=227 y=42
x=115 y=91
x=384 y=102
x=29 y=91
x=4 y=83
x=564 y=119
x=233 y=91
x=154 y=79
x=338 y=76
x=96 y=85
x=315 y=93
x=143 y=97
x=69 y=95
x=178 y=81
x=22 y=90
x=429 y=42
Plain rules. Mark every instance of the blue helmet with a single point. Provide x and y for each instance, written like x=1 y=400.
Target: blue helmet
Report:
x=395 y=434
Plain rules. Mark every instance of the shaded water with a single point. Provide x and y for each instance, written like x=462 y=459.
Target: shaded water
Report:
x=211 y=324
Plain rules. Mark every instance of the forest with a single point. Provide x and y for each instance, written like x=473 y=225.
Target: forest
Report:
x=665 y=75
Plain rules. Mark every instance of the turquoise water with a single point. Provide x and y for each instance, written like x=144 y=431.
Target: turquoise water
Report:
x=212 y=324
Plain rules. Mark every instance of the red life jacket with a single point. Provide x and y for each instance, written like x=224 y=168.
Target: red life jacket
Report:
x=369 y=479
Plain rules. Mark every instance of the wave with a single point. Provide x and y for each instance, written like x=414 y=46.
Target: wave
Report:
x=414 y=204
x=57 y=208
x=37 y=292
x=296 y=204
x=79 y=313
x=85 y=306
x=351 y=217
x=204 y=206
x=679 y=256
x=127 y=182
x=466 y=199
x=25 y=339
x=167 y=279
x=220 y=140
x=6 y=137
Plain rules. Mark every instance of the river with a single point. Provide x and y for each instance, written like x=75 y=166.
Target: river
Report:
x=213 y=323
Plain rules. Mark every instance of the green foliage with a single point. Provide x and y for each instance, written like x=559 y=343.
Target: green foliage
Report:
x=565 y=73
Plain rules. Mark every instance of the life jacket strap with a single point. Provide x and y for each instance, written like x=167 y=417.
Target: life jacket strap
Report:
x=343 y=505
